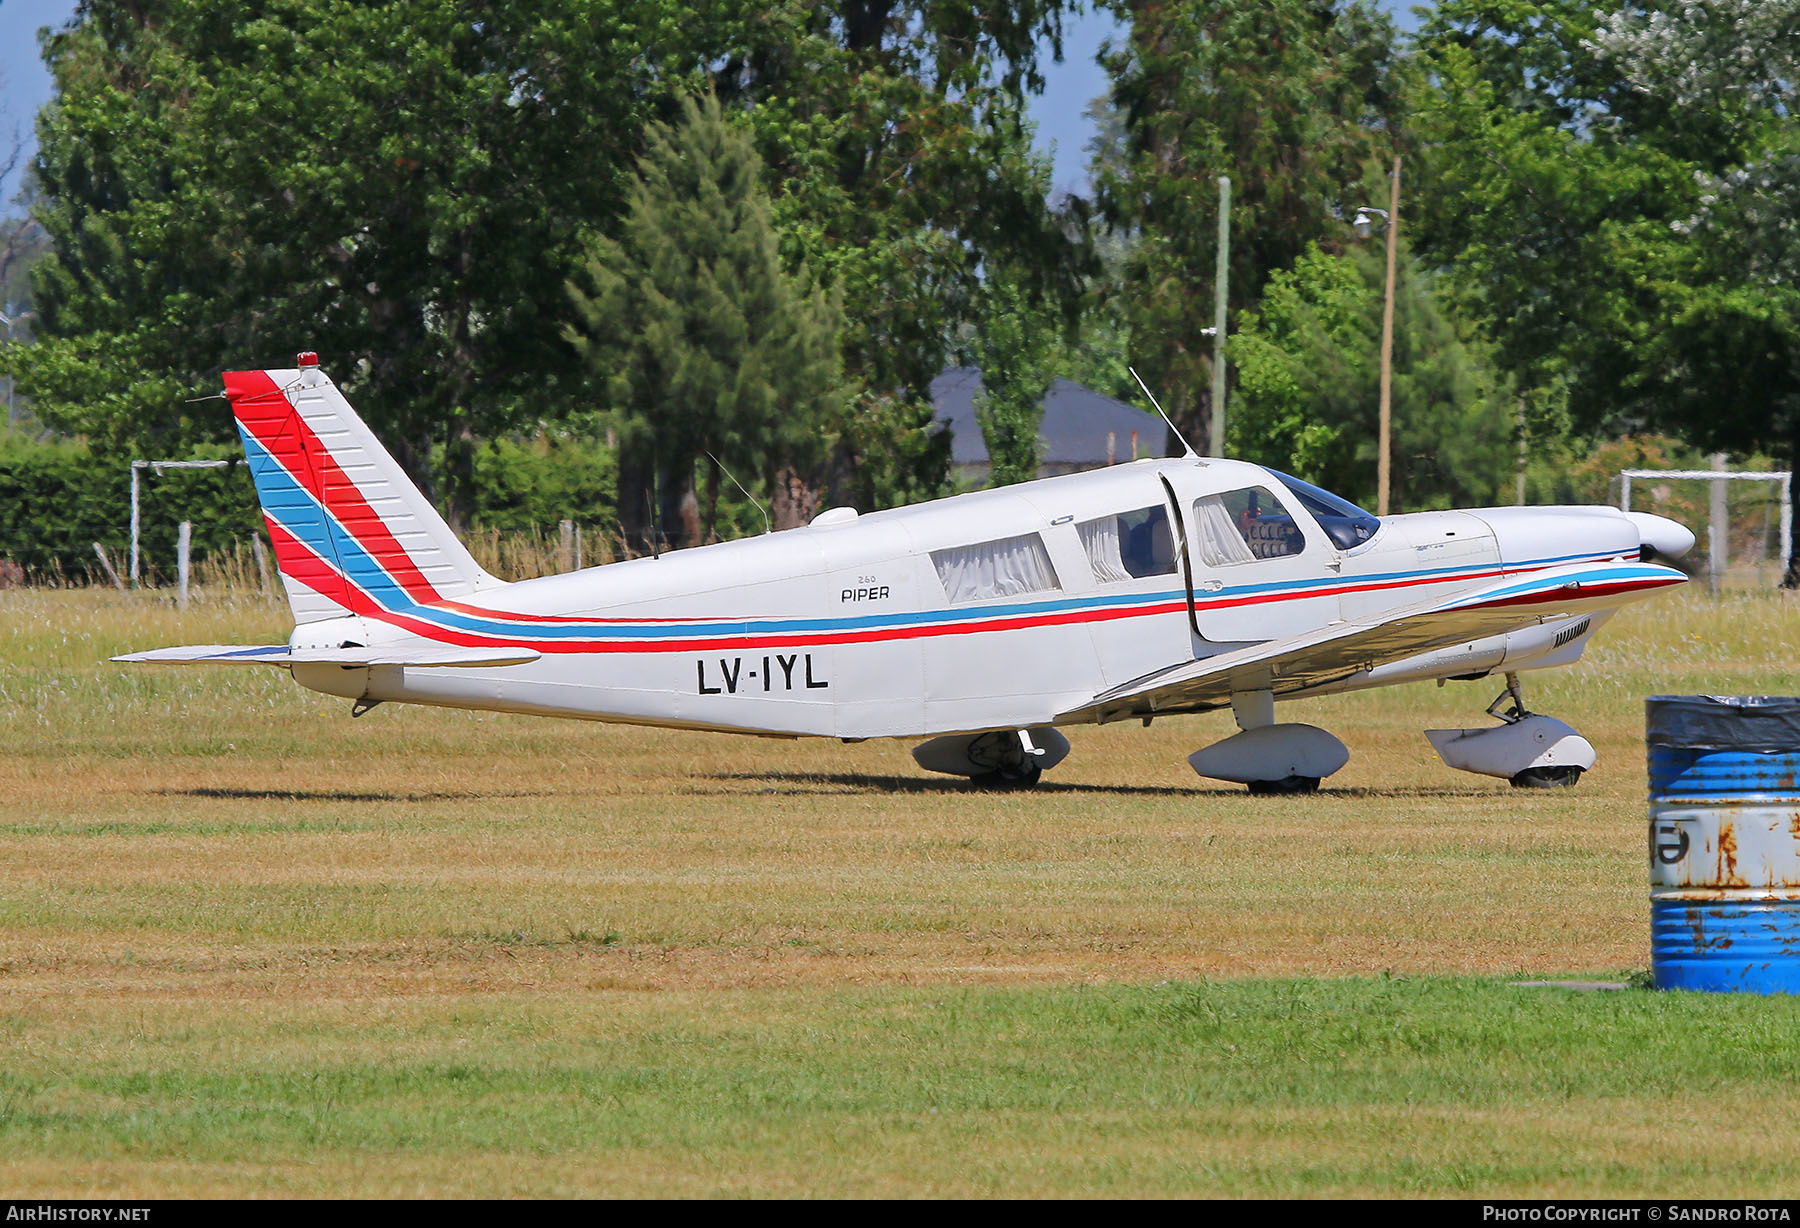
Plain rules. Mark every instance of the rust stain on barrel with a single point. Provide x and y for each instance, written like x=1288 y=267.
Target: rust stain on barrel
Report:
x=1728 y=871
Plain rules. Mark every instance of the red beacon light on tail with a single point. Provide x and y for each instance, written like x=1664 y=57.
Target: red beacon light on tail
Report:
x=307 y=360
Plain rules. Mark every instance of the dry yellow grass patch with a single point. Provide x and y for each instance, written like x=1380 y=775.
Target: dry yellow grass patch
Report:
x=191 y=831
x=218 y=893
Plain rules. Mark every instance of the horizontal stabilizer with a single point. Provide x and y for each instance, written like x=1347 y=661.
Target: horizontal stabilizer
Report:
x=281 y=654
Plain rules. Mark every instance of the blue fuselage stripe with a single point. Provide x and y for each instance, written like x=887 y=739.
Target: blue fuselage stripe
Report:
x=287 y=502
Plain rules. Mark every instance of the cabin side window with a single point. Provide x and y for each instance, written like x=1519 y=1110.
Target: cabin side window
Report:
x=1129 y=545
x=1244 y=526
x=1004 y=568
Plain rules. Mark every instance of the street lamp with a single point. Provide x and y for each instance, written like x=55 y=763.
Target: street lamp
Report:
x=1364 y=223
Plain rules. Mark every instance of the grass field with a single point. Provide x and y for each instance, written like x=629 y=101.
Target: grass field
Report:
x=249 y=946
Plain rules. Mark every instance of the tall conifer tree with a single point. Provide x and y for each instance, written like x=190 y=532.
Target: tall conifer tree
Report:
x=705 y=345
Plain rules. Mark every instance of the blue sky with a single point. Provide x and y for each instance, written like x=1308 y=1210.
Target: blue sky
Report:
x=24 y=81
x=1058 y=112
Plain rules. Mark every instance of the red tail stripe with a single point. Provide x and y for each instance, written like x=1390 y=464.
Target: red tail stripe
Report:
x=300 y=563
x=267 y=414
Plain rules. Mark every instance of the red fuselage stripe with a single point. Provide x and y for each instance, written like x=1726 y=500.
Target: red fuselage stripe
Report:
x=361 y=603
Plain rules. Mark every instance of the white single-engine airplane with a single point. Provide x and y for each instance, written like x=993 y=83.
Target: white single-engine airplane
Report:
x=982 y=622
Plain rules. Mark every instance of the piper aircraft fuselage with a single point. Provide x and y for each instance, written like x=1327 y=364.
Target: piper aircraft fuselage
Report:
x=984 y=622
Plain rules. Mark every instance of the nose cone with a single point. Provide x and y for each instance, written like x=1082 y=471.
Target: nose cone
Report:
x=1663 y=537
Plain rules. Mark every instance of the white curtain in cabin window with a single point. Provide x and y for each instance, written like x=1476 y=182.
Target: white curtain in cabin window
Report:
x=1100 y=538
x=1004 y=568
x=1216 y=534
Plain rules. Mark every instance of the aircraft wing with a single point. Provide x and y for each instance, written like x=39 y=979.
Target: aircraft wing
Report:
x=1340 y=650
x=280 y=654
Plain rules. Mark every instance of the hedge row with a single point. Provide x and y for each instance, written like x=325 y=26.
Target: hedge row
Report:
x=58 y=499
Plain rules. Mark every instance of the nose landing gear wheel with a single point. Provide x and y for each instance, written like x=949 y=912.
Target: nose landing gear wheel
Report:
x=1527 y=750
x=1563 y=777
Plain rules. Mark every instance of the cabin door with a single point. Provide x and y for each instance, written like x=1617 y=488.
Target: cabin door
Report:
x=1259 y=567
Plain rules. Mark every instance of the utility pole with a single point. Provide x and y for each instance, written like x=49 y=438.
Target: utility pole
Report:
x=11 y=322
x=1220 y=282
x=1524 y=453
x=1384 y=469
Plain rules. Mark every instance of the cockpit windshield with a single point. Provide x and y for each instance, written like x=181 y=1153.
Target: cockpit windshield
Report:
x=1345 y=523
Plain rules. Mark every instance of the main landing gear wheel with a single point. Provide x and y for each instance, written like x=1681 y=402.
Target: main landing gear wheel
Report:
x=1272 y=760
x=997 y=758
x=1009 y=778
x=1286 y=785
x=1546 y=778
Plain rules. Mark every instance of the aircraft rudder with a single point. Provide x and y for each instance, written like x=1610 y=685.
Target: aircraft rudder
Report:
x=352 y=532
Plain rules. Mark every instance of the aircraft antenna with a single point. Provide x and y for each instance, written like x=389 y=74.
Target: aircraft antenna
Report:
x=767 y=528
x=1176 y=431
x=655 y=498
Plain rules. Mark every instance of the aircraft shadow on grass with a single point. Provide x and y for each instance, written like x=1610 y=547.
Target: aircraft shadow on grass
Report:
x=814 y=782
x=337 y=795
x=861 y=782
x=803 y=783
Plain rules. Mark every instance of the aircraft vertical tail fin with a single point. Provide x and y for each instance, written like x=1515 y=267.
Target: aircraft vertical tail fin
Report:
x=352 y=533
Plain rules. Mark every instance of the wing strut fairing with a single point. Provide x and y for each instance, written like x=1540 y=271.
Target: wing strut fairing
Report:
x=1317 y=658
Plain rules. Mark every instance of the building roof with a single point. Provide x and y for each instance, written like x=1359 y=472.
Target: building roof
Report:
x=1077 y=421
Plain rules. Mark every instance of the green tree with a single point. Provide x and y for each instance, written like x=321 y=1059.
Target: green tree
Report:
x=400 y=186
x=1290 y=98
x=902 y=167
x=1737 y=63
x=405 y=187
x=1727 y=368
x=1015 y=347
x=1607 y=191
x=1308 y=369
x=706 y=346
x=23 y=243
x=531 y=483
x=1542 y=193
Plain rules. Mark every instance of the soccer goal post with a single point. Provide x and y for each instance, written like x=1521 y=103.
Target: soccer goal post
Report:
x=157 y=466
x=1718 y=519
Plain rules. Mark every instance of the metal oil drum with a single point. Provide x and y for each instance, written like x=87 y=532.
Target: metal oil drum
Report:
x=1724 y=842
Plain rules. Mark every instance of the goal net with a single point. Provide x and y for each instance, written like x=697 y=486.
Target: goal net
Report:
x=1742 y=519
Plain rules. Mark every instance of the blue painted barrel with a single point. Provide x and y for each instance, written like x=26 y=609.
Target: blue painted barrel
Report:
x=1724 y=842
